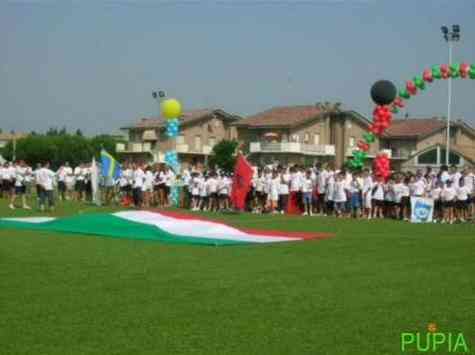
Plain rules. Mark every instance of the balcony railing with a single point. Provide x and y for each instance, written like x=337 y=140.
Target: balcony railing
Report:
x=202 y=149
x=133 y=147
x=291 y=147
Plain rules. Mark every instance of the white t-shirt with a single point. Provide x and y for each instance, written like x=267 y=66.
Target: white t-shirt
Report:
x=69 y=176
x=78 y=173
x=148 y=180
x=195 y=185
x=378 y=193
x=307 y=184
x=139 y=177
x=259 y=183
x=45 y=178
x=295 y=182
x=462 y=193
x=169 y=178
x=203 y=188
x=284 y=184
x=419 y=187
x=398 y=189
x=469 y=181
x=339 y=193
x=322 y=181
x=449 y=193
x=455 y=177
x=212 y=185
x=20 y=175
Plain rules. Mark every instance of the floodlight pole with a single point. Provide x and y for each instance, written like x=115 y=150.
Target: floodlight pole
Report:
x=450 y=36
x=449 y=106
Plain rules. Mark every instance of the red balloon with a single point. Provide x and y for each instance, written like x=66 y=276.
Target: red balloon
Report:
x=411 y=87
x=464 y=69
x=427 y=76
x=445 y=71
x=399 y=102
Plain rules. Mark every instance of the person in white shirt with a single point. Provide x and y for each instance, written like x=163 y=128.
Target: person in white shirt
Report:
x=355 y=189
x=20 y=185
x=284 y=191
x=455 y=177
x=61 y=177
x=68 y=180
x=339 y=194
x=203 y=188
x=274 y=185
x=147 y=187
x=307 y=190
x=79 y=187
x=195 y=190
x=463 y=193
x=186 y=195
x=448 y=195
x=366 y=192
x=321 y=190
x=261 y=196
x=224 y=189
x=436 y=195
x=330 y=193
x=378 y=198
x=419 y=186
x=212 y=192
x=138 y=181
x=46 y=181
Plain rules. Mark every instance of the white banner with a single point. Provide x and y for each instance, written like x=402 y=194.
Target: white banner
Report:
x=422 y=210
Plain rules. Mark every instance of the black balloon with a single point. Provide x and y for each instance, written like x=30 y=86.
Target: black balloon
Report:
x=383 y=92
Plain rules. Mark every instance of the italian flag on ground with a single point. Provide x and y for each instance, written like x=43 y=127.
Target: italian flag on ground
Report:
x=162 y=226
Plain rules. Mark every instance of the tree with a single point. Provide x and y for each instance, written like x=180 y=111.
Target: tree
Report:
x=224 y=156
x=78 y=132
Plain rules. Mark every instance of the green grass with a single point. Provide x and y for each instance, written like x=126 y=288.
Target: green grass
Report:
x=351 y=294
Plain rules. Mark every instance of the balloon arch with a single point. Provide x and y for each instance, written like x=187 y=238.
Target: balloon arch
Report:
x=382 y=113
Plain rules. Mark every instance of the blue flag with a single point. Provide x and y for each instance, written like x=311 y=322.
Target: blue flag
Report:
x=110 y=167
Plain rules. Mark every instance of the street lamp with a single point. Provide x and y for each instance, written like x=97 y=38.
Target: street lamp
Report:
x=450 y=36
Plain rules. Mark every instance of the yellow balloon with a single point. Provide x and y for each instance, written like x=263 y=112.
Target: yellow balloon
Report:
x=171 y=108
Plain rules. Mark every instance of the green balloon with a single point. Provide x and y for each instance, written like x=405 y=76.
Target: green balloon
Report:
x=419 y=82
x=395 y=109
x=403 y=93
x=436 y=74
x=471 y=72
x=455 y=70
x=369 y=137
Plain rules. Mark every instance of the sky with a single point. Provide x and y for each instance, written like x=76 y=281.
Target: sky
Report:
x=93 y=65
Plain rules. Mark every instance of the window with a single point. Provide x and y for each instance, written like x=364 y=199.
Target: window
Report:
x=306 y=138
x=316 y=138
x=212 y=141
x=217 y=123
x=454 y=159
x=295 y=138
x=348 y=124
x=352 y=141
x=428 y=158
x=180 y=139
x=197 y=142
x=436 y=156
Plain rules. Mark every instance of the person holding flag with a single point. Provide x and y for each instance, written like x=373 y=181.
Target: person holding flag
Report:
x=111 y=171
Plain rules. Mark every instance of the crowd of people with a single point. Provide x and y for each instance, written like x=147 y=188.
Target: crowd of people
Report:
x=316 y=190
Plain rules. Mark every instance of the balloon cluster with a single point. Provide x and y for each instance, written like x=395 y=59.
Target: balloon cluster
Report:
x=381 y=166
x=443 y=71
x=382 y=118
x=171 y=110
x=171 y=159
x=383 y=93
x=173 y=127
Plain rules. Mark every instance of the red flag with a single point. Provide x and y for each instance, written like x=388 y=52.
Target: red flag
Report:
x=243 y=173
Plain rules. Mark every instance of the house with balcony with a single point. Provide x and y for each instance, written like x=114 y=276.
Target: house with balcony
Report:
x=200 y=130
x=420 y=143
x=303 y=134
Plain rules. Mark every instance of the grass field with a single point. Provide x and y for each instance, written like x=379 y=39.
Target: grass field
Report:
x=351 y=294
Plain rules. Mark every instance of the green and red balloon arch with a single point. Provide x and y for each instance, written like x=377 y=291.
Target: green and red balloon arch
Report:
x=388 y=101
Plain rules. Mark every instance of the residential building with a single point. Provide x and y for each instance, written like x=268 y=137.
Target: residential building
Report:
x=303 y=135
x=200 y=130
x=418 y=143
